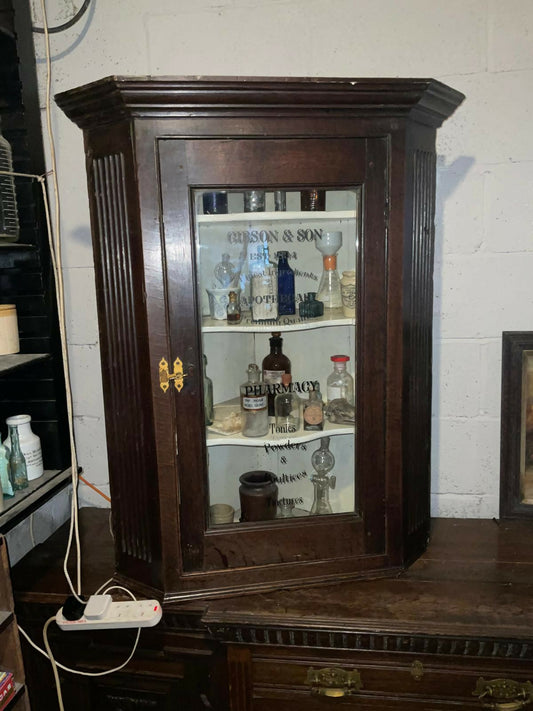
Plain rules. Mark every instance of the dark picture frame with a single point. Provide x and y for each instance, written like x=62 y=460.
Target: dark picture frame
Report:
x=516 y=446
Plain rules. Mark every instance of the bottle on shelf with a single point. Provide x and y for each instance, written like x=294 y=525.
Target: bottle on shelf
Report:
x=313 y=200
x=233 y=309
x=17 y=462
x=224 y=272
x=329 y=289
x=340 y=383
x=9 y=221
x=5 y=471
x=280 y=200
x=310 y=307
x=323 y=462
x=287 y=407
x=209 y=412
x=254 y=201
x=286 y=299
x=30 y=445
x=264 y=288
x=254 y=404
x=275 y=364
x=313 y=411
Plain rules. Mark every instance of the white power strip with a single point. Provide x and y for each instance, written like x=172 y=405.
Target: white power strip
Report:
x=102 y=613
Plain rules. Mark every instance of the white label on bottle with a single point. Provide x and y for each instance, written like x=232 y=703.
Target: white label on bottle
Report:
x=272 y=376
x=254 y=403
x=334 y=393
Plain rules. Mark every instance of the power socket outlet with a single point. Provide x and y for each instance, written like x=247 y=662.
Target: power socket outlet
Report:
x=102 y=613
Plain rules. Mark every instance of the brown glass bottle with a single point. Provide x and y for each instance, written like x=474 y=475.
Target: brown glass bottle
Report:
x=275 y=364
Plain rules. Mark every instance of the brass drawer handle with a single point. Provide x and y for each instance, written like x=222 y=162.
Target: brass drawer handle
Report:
x=333 y=682
x=503 y=694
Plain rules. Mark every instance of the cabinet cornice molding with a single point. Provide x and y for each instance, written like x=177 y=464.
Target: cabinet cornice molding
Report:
x=115 y=98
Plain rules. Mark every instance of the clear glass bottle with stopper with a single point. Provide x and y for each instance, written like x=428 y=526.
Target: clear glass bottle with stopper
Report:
x=340 y=383
x=323 y=462
x=254 y=404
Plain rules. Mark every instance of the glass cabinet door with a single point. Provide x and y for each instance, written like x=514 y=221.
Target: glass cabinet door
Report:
x=277 y=290
x=275 y=257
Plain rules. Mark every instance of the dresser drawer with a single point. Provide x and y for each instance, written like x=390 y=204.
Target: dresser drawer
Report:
x=373 y=681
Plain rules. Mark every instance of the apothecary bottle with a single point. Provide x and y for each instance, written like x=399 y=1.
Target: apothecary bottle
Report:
x=233 y=310
x=313 y=411
x=340 y=382
x=287 y=407
x=264 y=288
x=275 y=365
x=286 y=299
x=209 y=413
x=254 y=405
x=17 y=462
x=30 y=445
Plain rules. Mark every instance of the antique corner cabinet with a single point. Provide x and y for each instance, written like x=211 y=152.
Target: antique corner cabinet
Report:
x=159 y=153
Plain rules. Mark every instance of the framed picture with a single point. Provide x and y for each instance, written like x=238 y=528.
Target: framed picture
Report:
x=516 y=462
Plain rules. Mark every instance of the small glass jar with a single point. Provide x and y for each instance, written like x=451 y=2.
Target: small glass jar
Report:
x=254 y=201
x=340 y=383
x=313 y=411
x=287 y=408
x=233 y=311
x=313 y=200
x=215 y=203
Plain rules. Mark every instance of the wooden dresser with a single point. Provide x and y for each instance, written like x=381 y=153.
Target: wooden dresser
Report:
x=430 y=638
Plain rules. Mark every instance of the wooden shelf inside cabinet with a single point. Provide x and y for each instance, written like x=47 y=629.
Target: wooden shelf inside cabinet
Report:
x=255 y=218
x=335 y=317
x=276 y=438
x=10 y=651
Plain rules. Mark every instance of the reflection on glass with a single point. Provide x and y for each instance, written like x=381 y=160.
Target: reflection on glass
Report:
x=288 y=265
x=526 y=468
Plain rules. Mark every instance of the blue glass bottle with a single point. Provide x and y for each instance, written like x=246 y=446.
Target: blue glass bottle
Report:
x=286 y=301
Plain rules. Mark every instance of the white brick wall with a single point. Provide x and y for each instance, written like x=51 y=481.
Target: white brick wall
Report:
x=484 y=254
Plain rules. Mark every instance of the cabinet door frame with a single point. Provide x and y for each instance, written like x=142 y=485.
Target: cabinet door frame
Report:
x=187 y=163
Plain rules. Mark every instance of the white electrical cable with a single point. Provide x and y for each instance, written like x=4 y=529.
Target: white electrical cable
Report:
x=55 y=249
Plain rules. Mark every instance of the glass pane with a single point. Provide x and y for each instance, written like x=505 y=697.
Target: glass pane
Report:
x=277 y=278
x=526 y=469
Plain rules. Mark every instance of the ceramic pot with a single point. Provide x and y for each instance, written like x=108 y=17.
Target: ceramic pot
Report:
x=348 y=294
x=9 y=333
x=258 y=493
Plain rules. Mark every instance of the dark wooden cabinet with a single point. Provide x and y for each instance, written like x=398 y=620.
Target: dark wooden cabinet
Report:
x=154 y=148
x=456 y=625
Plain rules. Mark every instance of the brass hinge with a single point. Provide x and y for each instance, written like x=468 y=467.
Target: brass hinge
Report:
x=165 y=377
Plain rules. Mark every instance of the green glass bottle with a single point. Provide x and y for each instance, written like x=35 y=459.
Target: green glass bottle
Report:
x=5 y=471
x=17 y=461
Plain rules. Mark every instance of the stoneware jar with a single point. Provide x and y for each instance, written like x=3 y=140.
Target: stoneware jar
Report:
x=9 y=333
x=258 y=493
x=30 y=445
x=348 y=294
